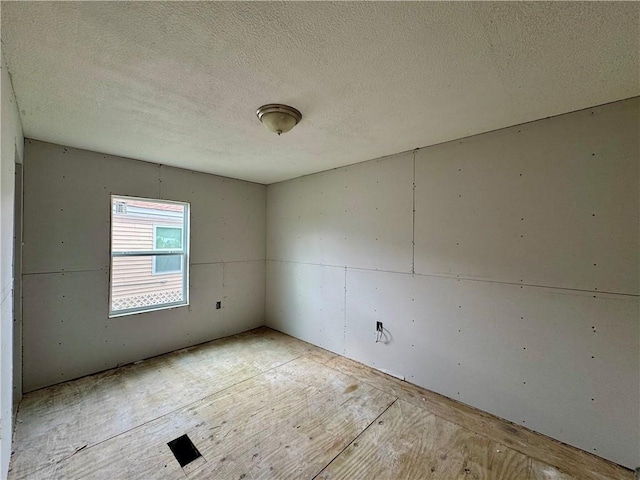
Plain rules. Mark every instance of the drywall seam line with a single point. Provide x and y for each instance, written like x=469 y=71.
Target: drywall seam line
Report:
x=319 y=264
x=264 y=300
x=413 y=217
x=459 y=278
x=344 y=310
x=103 y=269
x=227 y=261
x=106 y=268
x=224 y=296
x=356 y=438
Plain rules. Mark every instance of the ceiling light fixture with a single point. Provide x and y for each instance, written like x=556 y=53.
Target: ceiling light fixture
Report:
x=279 y=118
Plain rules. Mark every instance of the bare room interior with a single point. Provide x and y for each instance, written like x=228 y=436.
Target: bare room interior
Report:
x=320 y=240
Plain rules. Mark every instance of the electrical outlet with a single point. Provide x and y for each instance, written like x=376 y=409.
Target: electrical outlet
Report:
x=378 y=326
x=218 y=305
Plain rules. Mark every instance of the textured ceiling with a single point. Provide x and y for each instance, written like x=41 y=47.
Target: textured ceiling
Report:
x=178 y=83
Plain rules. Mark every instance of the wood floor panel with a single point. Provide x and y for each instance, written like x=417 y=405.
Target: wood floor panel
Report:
x=54 y=422
x=257 y=428
x=565 y=458
x=294 y=440
x=409 y=443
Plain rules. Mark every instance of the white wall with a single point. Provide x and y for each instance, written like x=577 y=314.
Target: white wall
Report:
x=67 y=332
x=514 y=287
x=11 y=150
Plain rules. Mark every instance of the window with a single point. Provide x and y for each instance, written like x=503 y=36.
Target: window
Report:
x=149 y=255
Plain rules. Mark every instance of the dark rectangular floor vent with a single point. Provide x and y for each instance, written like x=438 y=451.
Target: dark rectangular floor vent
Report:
x=184 y=450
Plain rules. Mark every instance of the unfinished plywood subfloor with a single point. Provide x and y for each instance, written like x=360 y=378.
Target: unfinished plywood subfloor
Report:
x=265 y=405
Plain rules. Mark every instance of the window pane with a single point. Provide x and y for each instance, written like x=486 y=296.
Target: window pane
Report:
x=134 y=223
x=168 y=263
x=168 y=238
x=134 y=284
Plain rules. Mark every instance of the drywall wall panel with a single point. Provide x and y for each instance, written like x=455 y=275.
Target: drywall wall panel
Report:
x=527 y=242
x=228 y=217
x=244 y=296
x=307 y=302
x=67 y=332
x=11 y=151
x=357 y=216
x=552 y=203
x=67 y=204
x=561 y=362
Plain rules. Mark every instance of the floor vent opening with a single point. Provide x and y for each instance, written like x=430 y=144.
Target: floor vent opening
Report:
x=184 y=450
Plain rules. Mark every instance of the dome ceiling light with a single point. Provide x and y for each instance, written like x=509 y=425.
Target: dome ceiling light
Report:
x=279 y=118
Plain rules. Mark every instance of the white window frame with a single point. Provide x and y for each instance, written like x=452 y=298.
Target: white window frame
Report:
x=155 y=258
x=186 y=227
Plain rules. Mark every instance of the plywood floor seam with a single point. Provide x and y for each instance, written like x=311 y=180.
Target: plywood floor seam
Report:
x=355 y=439
x=263 y=405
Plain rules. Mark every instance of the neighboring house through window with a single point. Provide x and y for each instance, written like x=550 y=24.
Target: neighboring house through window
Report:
x=167 y=238
x=149 y=255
